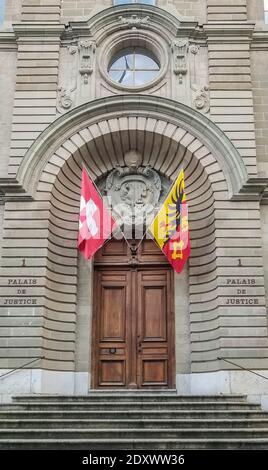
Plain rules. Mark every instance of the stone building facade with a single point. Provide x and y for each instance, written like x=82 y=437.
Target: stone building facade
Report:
x=205 y=108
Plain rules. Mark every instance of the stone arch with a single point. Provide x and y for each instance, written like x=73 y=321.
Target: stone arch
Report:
x=155 y=19
x=136 y=106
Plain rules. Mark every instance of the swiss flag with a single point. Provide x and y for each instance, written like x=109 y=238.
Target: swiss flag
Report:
x=95 y=222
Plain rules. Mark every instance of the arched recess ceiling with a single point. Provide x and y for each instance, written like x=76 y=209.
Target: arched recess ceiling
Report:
x=166 y=148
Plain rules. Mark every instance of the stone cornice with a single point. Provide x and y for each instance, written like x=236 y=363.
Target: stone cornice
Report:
x=39 y=30
x=7 y=40
x=11 y=190
x=260 y=40
x=264 y=200
x=229 y=32
x=216 y=32
x=254 y=189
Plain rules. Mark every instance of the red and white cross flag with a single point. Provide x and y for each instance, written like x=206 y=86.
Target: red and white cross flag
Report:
x=95 y=221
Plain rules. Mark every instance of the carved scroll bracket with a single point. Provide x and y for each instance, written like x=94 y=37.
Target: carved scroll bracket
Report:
x=198 y=77
x=180 y=49
x=87 y=51
x=65 y=97
x=201 y=99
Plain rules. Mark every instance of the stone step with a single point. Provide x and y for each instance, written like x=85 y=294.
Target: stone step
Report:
x=133 y=405
x=133 y=414
x=131 y=423
x=133 y=444
x=126 y=397
x=126 y=433
x=132 y=420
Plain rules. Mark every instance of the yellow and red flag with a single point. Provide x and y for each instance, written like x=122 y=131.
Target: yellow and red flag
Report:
x=170 y=227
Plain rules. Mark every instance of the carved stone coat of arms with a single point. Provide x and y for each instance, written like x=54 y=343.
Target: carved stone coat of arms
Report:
x=133 y=193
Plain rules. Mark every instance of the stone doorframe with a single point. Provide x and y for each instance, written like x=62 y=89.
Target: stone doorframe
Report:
x=224 y=246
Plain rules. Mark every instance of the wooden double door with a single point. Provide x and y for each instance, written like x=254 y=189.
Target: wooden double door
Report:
x=133 y=320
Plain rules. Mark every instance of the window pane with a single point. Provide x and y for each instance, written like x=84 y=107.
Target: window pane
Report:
x=124 y=77
x=148 y=2
x=145 y=77
x=124 y=62
x=127 y=78
x=117 y=75
x=266 y=17
x=144 y=62
x=266 y=5
x=122 y=2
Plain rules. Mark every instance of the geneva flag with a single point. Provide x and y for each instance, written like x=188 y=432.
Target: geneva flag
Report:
x=95 y=222
x=170 y=226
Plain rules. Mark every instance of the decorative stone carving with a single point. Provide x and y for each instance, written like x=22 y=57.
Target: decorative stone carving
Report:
x=180 y=49
x=87 y=50
x=133 y=192
x=72 y=49
x=201 y=99
x=65 y=97
x=64 y=100
x=134 y=21
x=133 y=159
x=194 y=49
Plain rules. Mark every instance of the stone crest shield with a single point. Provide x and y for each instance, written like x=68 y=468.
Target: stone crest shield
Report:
x=133 y=193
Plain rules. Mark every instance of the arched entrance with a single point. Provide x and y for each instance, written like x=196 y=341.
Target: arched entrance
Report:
x=133 y=317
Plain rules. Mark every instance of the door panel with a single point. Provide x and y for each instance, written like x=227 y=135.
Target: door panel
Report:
x=111 y=321
x=114 y=252
x=153 y=314
x=154 y=372
x=133 y=332
x=113 y=313
x=112 y=372
x=153 y=311
x=150 y=253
